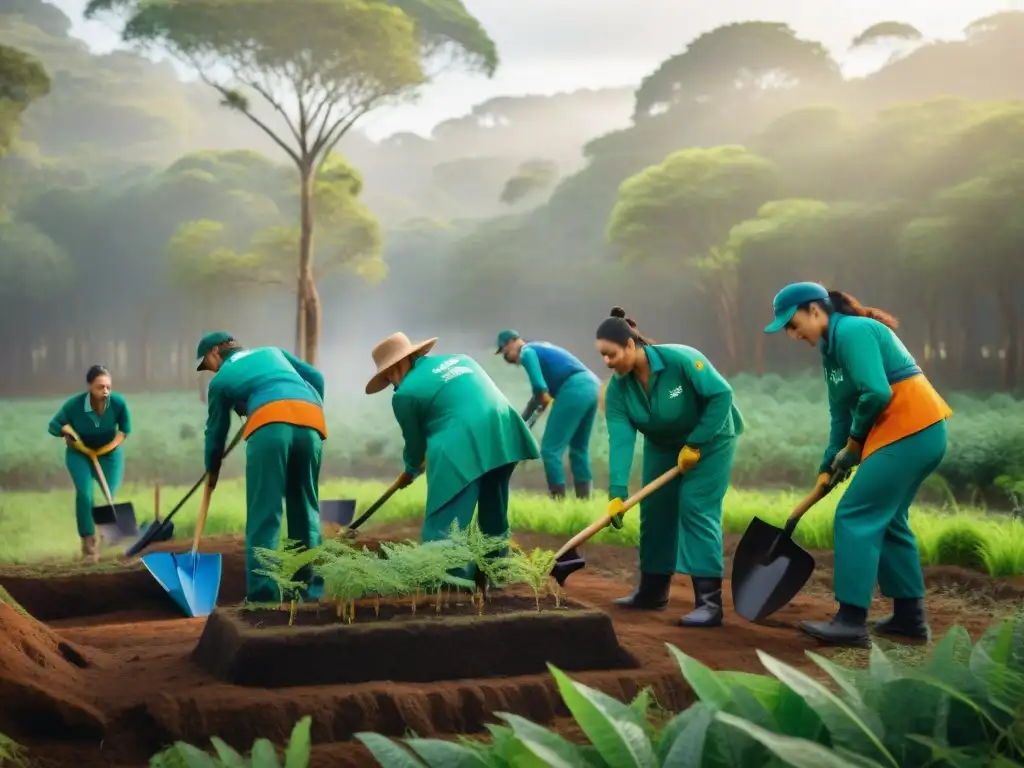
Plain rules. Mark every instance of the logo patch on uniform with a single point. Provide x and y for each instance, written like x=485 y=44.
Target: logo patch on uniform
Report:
x=699 y=365
x=675 y=392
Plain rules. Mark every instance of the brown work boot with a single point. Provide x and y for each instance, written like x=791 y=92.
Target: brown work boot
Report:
x=90 y=549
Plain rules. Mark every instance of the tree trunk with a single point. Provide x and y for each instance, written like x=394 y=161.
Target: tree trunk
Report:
x=308 y=309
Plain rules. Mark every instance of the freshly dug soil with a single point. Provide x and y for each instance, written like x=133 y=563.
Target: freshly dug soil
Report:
x=511 y=638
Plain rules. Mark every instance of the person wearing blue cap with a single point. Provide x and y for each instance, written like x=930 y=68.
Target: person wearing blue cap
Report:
x=890 y=423
x=684 y=408
x=282 y=398
x=559 y=380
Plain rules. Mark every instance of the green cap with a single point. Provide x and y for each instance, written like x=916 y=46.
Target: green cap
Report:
x=208 y=342
x=505 y=337
x=789 y=299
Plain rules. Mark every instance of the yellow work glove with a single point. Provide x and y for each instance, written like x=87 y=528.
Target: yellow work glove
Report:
x=615 y=512
x=687 y=458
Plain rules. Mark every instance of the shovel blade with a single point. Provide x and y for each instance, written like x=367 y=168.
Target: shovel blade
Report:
x=769 y=569
x=164 y=568
x=199 y=576
x=337 y=512
x=567 y=565
x=116 y=523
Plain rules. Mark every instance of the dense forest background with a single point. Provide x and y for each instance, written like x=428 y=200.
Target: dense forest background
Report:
x=137 y=212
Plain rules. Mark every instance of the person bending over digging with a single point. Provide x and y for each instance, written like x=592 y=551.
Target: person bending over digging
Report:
x=282 y=398
x=455 y=420
x=888 y=419
x=100 y=418
x=684 y=408
x=556 y=376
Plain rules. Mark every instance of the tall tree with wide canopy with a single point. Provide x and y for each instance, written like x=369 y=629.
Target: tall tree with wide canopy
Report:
x=22 y=80
x=684 y=208
x=319 y=65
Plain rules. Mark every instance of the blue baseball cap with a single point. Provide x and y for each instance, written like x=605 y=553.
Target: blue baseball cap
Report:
x=208 y=342
x=505 y=337
x=789 y=299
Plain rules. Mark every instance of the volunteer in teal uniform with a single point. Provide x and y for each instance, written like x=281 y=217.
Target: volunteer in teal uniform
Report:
x=282 y=398
x=557 y=376
x=888 y=419
x=455 y=419
x=101 y=419
x=684 y=408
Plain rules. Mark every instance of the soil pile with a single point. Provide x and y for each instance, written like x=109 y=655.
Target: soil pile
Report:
x=42 y=681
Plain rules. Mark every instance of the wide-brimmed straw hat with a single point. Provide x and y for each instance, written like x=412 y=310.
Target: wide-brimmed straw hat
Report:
x=392 y=351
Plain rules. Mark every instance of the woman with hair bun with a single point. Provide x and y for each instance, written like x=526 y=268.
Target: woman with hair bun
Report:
x=888 y=419
x=675 y=398
x=100 y=418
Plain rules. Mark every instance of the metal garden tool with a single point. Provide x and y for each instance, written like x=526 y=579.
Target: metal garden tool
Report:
x=162 y=530
x=191 y=579
x=114 y=521
x=337 y=512
x=769 y=569
x=568 y=560
x=391 y=491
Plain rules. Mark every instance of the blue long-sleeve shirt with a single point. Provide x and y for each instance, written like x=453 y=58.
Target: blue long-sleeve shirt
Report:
x=549 y=367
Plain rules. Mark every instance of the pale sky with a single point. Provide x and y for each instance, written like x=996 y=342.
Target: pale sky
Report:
x=548 y=46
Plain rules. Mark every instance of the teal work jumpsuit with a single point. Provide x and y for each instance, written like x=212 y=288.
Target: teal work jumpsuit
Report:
x=879 y=397
x=283 y=399
x=687 y=403
x=575 y=388
x=96 y=431
x=454 y=416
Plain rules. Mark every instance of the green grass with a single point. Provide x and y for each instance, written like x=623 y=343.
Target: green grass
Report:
x=787 y=428
x=40 y=526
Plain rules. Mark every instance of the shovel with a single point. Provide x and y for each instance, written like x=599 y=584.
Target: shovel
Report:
x=191 y=579
x=391 y=491
x=114 y=521
x=568 y=560
x=769 y=569
x=162 y=530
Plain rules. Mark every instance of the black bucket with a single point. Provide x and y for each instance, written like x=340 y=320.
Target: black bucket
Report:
x=337 y=512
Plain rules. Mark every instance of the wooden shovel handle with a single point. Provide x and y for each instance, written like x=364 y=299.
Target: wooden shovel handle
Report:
x=605 y=520
x=102 y=478
x=204 y=507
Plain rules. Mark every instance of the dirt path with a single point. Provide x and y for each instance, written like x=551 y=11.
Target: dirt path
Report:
x=134 y=688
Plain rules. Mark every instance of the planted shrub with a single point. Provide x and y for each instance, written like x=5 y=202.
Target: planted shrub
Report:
x=407 y=570
x=263 y=754
x=961 y=544
x=963 y=706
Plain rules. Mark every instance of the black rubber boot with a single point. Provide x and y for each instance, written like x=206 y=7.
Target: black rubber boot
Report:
x=907 y=620
x=583 y=490
x=707 y=604
x=848 y=628
x=651 y=595
x=556 y=491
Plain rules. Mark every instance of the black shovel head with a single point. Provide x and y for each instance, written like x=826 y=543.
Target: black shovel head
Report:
x=768 y=570
x=567 y=565
x=337 y=512
x=154 y=533
x=117 y=522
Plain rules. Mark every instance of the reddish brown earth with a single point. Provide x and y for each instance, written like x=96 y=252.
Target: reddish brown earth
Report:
x=111 y=664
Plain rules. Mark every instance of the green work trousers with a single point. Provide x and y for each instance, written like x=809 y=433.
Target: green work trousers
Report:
x=570 y=422
x=873 y=540
x=681 y=522
x=488 y=495
x=83 y=475
x=282 y=461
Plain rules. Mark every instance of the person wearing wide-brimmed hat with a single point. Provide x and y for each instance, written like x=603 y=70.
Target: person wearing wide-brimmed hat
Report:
x=282 y=398
x=455 y=419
